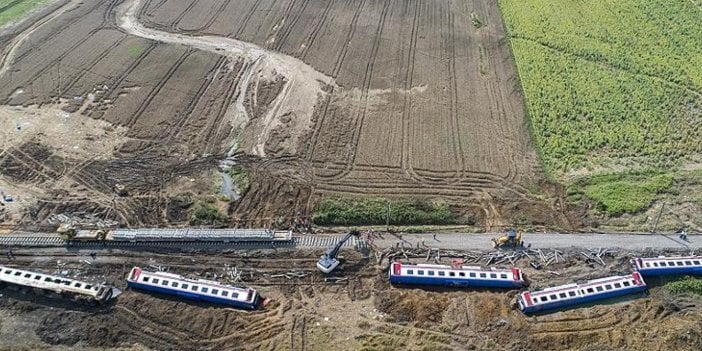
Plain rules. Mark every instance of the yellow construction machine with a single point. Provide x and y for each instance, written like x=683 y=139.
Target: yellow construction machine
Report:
x=512 y=240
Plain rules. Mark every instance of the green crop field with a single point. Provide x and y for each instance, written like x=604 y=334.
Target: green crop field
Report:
x=610 y=83
x=11 y=10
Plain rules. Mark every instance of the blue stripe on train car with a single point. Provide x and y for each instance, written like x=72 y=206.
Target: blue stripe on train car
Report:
x=670 y=271
x=583 y=300
x=194 y=296
x=475 y=283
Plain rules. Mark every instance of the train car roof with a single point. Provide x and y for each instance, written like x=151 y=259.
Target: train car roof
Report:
x=441 y=266
x=193 y=281
x=572 y=286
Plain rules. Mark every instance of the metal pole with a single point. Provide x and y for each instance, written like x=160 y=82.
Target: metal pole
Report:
x=658 y=218
x=387 y=217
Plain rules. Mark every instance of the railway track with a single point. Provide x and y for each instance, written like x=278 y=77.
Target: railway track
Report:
x=52 y=240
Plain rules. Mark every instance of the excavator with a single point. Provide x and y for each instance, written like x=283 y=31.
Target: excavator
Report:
x=512 y=240
x=328 y=262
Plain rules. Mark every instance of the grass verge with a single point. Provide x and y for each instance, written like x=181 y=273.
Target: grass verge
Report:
x=207 y=214
x=688 y=285
x=12 y=10
x=373 y=211
x=620 y=193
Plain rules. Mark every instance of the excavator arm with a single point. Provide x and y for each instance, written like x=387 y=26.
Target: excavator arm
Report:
x=328 y=261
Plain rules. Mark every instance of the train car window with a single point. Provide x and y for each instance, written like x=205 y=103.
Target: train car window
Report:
x=184 y=286
x=553 y=297
x=599 y=288
x=37 y=277
x=28 y=275
x=655 y=264
x=679 y=263
x=472 y=275
x=503 y=276
x=626 y=283
x=420 y=272
x=77 y=285
x=66 y=282
x=204 y=289
x=155 y=281
x=562 y=295
x=462 y=274
x=687 y=263
x=617 y=285
x=174 y=284
x=571 y=293
x=225 y=293
x=88 y=286
x=483 y=275
x=544 y=298
x=493 y=275
x=194 y=288
x=430 y=272
x=410 y=271
x=452 y=274
x=8 y=271
x=18 y=273
x=165 y=282
x=697 y=263
x=47 y=279
x=647 y=264
x=235 y=295
x=590 y=290
x=663 y=264
x=215 y=291
x=535 y=300
x=146 y=279
x=442 y=273
x=608 y=287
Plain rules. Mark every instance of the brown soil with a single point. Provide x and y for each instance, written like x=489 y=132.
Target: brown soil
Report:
x=362 y=312
x=375 y=98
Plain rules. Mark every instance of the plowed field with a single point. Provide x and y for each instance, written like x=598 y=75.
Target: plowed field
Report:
x=389 y=98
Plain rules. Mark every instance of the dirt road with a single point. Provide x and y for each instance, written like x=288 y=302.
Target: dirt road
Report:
x=549 y=240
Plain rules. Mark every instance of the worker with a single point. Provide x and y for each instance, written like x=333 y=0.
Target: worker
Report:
x=93 y=255
x=511 y=236
x=683 y=235
x=10 y=254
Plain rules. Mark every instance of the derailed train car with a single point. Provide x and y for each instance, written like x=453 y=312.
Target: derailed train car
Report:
x=194 y=289
x=62 y=286
x=571 y=295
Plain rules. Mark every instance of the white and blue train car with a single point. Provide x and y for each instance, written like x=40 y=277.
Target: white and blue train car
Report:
x=455 y=276
x=193 y=289
x=570 y=295
x=657 y=266
x=60 y=285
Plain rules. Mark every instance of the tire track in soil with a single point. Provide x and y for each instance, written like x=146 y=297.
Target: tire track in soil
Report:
x=184 y=117
x=107 y=18
x=406 y=162
x=57 y=61
x=249 y=15
x=214 y=130
x=40 y=43
x=289 y=28
x=30 y=163
x=212 y=19
x=152 y=94
x=352 y=31
x=88 y=69
x=118 y=83
x=174 y=25
x=313 y=36
x=365 y=88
